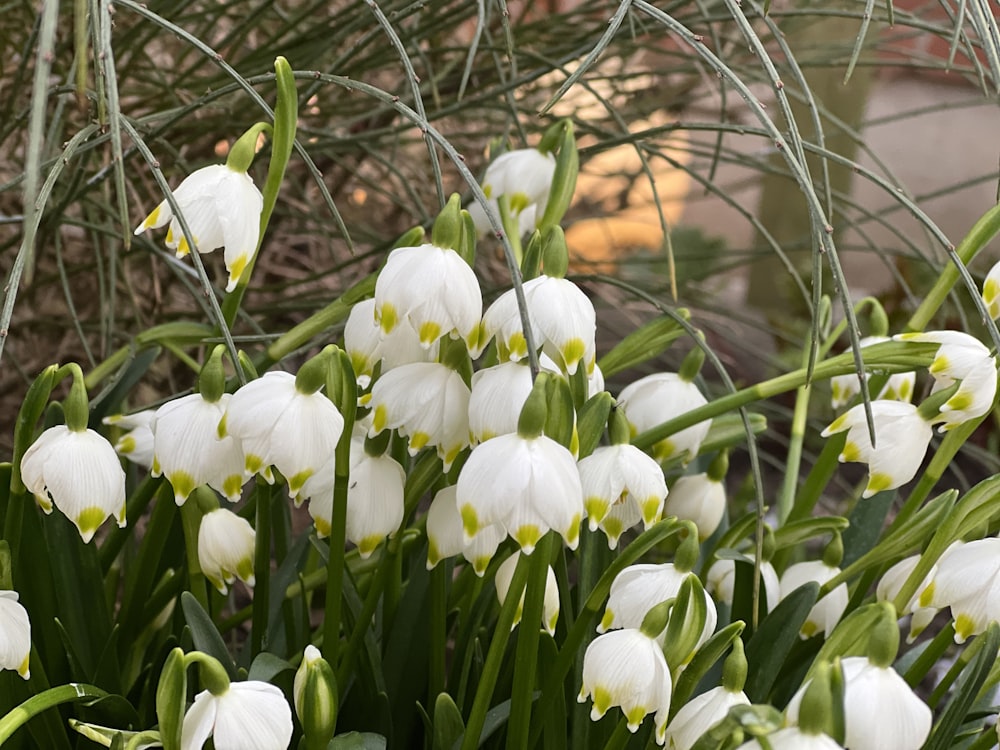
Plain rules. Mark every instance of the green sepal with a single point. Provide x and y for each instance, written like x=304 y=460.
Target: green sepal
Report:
x=692 y=363
x=410 y=238
x=171 y=697
x=469 y=236
x=378 y=445
x=242 y=153
x=703 y=660
x=532 y=262
x=719 y=467
x=31 y=410
x=316 y=702
x=76 y=405
x=619 y=431
x=564 y=178
x=560 y=417
x=531 y=423
x=656 y=619
x=689 y=549
x=834 y=552
x=591 y=420
x=449 y=226
x=883 y=643
x=648 y=341
x=816 y=714
x=687 y=621
x=311 y=377
x=212 y=379
x=212 y=673
x=555 y=254
x=851 y=636
x=930 y=408
x=246 y=364
x=342 y=388
x=6 y=568
x=797 y=532
x=734 y=670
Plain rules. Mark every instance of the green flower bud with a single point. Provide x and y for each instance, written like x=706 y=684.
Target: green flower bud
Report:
x=31 y=410
x=469 y=235
x=77 y=405
x=213 y=675
x=555 y=254
x=534 y=413
x=171 y=699
x=618 y=427
x=689 y=550
x=212 y=379
x=449 y=225
x=719 y=467
x=311 y=377
x=532 y=262
x=834 y=551
x=883 y=645
x=734 y=670
x=559 y=420
x=644 y=343
x=564 y=179
x=816 y=714
x=687 y=621
x=656 y=619
x=315 y=693
x=243 y=151
x=409 y=238
x=692 y=363
x=591 y=420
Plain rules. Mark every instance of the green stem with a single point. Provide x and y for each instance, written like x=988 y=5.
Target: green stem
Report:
x=261 y=569
x=930 y=655
x=959 y=665
x=190 y=521
x=984 y=741
x=619 y=738
x=494 y=658
x=36 y=704
x=438 y=629
x=786 y=498
x=335 y=577
x=512 y=227
x=526 y=655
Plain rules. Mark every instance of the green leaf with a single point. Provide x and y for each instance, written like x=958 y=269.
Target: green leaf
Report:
x=642 y=344
x=204 y=633
x=267 y=666
x=448 y=724
x=769 y=647
x=357 y=741
x=866 y=522
x=797 y=532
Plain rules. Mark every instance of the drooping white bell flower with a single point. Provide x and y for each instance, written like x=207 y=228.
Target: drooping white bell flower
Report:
x=963 y=358
x=654 y=399
x=881 y=712
x=79 y=472
x=616 y=475
x=432 y=288
x=826 y=613
x=225 y=548
x=525 y=177
x=550 y=603
x=278 y=425
x=901 y=440
x=639 y=588
x=700 y=499
x=991 y=292
x=446 y=537
x=426 y=402
x=899 y=386
x=367 y=345
x=563 y=324
x=968 y=582
x=721 y=582
x=188 y=451
x=526 y=485
x=136 y=444
x=889 y=587
x=626 y=668
x=498 y=394
x=250 y=715
x=15 y=634
x=374 y=500
x=793 y=738
x=222 y=208
x=700 y=714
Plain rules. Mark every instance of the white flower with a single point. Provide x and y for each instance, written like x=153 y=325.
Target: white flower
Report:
x=968 y=581
x=314 y=693
x=899 y=386
x=426 y=402
x=892 y=582
x=498 y=394
x=225 y=548
x=626 y=668
x=251 y=715
x=187 y=449
x=432 y=288
x=563 y=324
x=222 y=207
x=793 y=738
x=550 y=605
x=79 y=472
x=278 y=425
x=525 y=177
x=901 y=440
x=721 y=582
x=136 y=444
x=446 y=538
x=991 y=292
x=654 y=399
x=621 y=475
x=15 y=634
x=698 y=498
x=881 y=712
x=639 y=588
x=964 y=358
x=367 y=345
x=700 y=714
x=527 y=485
x=827 y=612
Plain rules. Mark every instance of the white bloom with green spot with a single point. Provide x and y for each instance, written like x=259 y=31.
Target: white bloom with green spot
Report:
x=563 y=324
x=826 y=613
x=432 y=288
x=899 y=386
x=892 y=582
x=225 y=548
x=968 y=582
x=901 y=440
x=626 y=668
x=446 y=537
x=498 y=394
x=621 y=486
x=700 y=499
x=657 y=398
x=78 y=472
x=188 y=451
x=367 y=345
x=222 y=208
x=251 y=715
x=991 y=292
x=525 y=177
x=700 y=714
x=721 y=582
x=278 y=425
x=426 y=402
x=15 y=634
x=526 y=485
x=793 y=738
x=136 y=443
x=550 y=603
